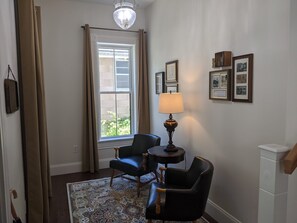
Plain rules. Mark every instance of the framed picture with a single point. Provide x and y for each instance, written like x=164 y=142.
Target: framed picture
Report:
x=220 y=85
x=11 y=92
x=242 y=78
x=159 y=82
x=172 y=71
x=173 y=88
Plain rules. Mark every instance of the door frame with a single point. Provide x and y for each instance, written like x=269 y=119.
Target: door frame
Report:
x=4 y=203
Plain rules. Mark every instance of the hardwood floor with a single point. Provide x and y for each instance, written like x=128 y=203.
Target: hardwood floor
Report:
x=59 y=212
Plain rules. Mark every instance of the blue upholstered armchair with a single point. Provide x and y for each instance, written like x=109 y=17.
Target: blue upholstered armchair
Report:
x=185 y=193
x=134 y=160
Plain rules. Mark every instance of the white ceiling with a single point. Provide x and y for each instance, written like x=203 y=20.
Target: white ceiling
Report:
x=139 y=3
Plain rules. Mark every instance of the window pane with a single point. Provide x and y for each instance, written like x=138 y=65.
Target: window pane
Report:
x=122 y=70
x=124 y=114
x=109 y=79
x=108 y=115
x=115 y=115
x=106 y=70
x=123 y=82
x=122 y=63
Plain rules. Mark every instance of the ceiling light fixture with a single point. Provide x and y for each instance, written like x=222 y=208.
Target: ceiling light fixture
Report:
x=124 y=14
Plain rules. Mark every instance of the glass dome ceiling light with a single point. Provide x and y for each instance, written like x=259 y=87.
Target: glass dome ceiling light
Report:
x=124 y=14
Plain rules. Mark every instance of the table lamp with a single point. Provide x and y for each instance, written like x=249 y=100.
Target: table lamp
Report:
x=170 y=103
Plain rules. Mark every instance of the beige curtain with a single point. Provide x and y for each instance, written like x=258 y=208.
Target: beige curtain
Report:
x=90 y=150
x=33 y=112
x=143 y=87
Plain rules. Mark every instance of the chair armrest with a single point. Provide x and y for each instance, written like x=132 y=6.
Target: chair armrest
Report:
x=176 y=177
x=160 y=191
x=116 y=152
x=175 y=199
x=148 y=163
x=180 y=199
x=144 y=161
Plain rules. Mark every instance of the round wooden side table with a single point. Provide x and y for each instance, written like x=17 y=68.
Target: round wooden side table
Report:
x=161 y=156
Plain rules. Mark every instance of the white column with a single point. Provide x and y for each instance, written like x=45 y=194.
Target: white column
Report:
x=273 y=185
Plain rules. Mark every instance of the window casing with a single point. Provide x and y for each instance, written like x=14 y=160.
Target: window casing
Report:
x=116 y=96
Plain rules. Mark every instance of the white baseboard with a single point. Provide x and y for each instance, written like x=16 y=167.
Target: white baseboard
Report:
x=65 y=168
x=219 y=214
x=75 y=167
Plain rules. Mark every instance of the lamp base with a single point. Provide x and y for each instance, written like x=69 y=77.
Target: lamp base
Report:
x=170 y=148
x=170 y=125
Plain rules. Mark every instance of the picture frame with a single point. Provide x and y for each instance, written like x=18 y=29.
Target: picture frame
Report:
x=11 y=95
x=222 y=59
x=159 y=82
x=11 y=92
x=173 y=88
x=220 y=85
x=242 y=78
x=172 y=71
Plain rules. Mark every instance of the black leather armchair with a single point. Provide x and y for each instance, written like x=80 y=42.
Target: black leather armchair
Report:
x=134 y=160
x=185 y=193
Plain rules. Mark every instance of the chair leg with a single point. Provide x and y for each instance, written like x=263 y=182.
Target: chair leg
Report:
x=138 y=186
x=111 y=178
x=155 y=172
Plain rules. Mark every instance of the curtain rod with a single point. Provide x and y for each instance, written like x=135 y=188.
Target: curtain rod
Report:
x=119 y=30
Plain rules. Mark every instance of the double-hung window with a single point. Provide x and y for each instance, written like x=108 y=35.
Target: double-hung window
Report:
x=116 y=66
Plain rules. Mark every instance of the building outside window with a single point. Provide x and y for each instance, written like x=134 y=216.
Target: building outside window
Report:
x=115 y=90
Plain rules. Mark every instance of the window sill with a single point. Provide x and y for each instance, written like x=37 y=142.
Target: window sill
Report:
x=108 y=144
x=116 y=139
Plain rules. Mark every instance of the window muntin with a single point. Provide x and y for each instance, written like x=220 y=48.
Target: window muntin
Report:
x=116 y=93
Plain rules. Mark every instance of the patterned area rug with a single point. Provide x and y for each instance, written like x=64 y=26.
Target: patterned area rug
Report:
x=94 y=201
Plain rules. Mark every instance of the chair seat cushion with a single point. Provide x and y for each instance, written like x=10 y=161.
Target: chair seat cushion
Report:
x=131 y=165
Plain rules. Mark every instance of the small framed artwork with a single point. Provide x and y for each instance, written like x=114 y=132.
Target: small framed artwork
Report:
x=159 y=82
x=242 y=78
x=171 y=88
x=172 y=71
x=11 y=93
x=220 y=85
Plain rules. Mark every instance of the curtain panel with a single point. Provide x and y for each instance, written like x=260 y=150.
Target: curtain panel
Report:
x=33 y=112
x=143 y=87
x=90 y=150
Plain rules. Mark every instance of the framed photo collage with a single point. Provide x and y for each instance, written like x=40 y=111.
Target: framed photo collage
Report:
x=232 y=84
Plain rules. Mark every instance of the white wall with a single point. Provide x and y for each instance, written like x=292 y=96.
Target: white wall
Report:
x=63 y=70
x=226 y=133
x=11 y=149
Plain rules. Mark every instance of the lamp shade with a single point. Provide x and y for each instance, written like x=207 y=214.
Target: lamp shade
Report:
x=171 y=103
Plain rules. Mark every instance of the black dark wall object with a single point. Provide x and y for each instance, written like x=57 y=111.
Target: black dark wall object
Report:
x=11 y=93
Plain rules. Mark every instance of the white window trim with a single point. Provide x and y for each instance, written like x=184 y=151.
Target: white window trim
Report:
x=121 y=38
